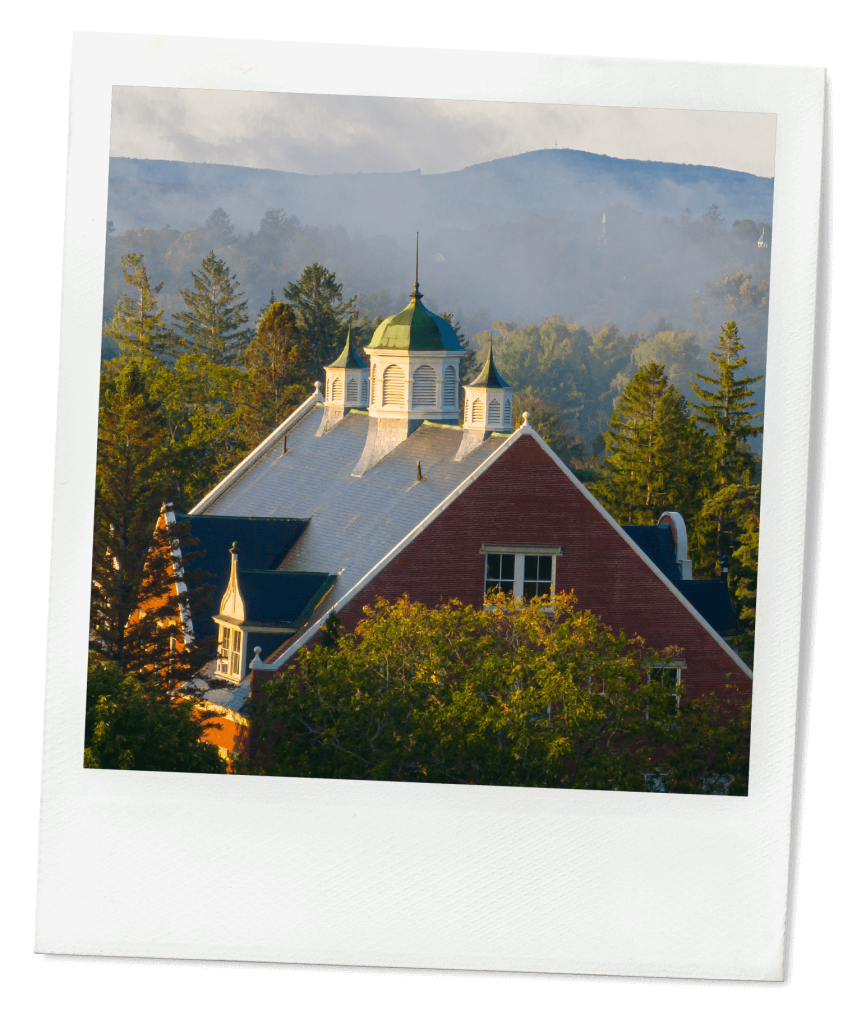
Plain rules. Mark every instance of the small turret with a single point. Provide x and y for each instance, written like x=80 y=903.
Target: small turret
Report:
x=347 y=386
x=487 y=406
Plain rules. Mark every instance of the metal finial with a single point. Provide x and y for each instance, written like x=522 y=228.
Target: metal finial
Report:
x=318 y=385
x=417 y=233
x=234 y=547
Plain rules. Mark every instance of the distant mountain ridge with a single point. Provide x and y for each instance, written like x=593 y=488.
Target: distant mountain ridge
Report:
x=576 y=183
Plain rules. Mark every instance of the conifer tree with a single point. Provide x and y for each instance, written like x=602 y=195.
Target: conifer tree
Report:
x=469 y=367
x=320 y=313
x=724 y=408
x=135 y=616
x=653 y=451
x=278 y=379
x=137 y=325
x=212 y=323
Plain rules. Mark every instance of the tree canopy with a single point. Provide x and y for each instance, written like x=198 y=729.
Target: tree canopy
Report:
x=212 y=323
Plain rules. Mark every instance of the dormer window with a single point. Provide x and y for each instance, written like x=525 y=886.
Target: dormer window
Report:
x=525 y=571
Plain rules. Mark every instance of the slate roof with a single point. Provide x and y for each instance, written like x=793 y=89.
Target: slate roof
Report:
x=657 y=543
x=709 y=597
x=281 y=598
x=354 y=521
x=261 y=544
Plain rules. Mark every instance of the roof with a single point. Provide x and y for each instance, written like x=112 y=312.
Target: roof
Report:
x=281 y=598
x=262 y=543
x=713 y=600
x=348 y=358
x=355 y=521
x=490 y=377
x=657 y=543
x=416 y=329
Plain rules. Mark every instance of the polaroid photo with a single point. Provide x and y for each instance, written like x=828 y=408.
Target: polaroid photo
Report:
x=424 y=419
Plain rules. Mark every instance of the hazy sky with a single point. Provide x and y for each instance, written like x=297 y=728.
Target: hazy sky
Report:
x=315 y=134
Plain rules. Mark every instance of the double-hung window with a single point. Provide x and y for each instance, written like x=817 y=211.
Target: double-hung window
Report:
x=522 y=570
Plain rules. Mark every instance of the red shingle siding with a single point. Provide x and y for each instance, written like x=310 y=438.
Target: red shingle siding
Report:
x=525 y=498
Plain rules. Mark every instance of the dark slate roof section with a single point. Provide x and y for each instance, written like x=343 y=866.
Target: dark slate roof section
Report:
x=234 y=698
x=281 y=598
x=490 y=377
x=262 y=543
x=712 y=600
x=657 y=543
x=348 y=358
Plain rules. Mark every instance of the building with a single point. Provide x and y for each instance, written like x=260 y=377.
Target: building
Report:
x=371 y=488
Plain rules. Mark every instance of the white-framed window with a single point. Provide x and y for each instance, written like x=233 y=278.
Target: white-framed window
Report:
x=229 y=649
x=670 y=673
x=524 y=571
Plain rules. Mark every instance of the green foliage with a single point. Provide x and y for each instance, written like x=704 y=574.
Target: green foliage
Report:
x=135 y=613
x=131 y=724
x=469 y=365
x=212 y=323
x=548 y=422
x=511 y=694
x=320 y=313
x=654 y=452
x=278 y=378
x=136 y=327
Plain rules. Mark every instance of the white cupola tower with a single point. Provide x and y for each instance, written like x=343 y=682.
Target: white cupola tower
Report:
x=414 y=376
x=347 y=386
x=487 y=406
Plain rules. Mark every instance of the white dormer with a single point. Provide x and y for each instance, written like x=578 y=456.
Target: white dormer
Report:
x=347 y=380
x=488 y=401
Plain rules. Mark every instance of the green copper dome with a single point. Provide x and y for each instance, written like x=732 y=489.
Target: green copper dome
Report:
x=416 y=329
x=490 y=377
x=348 y=358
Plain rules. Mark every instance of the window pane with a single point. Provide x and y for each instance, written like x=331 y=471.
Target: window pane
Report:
x=493 y=567
x=543 y=589
x=507 y=567
x=530 y=567
x=545 y=567
x=507 y=586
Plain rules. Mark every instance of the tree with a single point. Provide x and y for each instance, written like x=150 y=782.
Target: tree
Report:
x=218 y=225
x=724 y=408
x=135 y=611
x=510 y=694
x=131 y=724
x=137 y=326
x=469 y=367
x=548 y=422
x=212 y=322
x=653 y=451
x=320 y=313
x=278 y=378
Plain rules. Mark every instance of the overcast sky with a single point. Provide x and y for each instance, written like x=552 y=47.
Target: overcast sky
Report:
x=314 y=134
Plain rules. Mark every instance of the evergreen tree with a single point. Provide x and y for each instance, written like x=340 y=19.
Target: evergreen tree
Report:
x=135 y=617
x=652 y=451
x=278 y=379
x=137 y=327
x=469 y=368
x=213 y=320
x=724 y=408
x=320 y=313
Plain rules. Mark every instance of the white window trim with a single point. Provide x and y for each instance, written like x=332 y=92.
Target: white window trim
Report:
x=520 y=551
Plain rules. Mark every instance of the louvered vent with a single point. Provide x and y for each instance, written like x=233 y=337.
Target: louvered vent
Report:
x=336 y=390
x=477 y=411
x=494 y=412
x=507 y=412
x=375 y=368
x=352 y=390
x=393 y=389
x=424 y=386
x=449 y=387
x=364 y=388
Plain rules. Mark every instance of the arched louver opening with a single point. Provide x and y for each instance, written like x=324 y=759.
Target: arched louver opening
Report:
x=477 y=411
x=352 y=390
x=449 y=387
x=424 y=386
x=336 y=390
x=507 y=412
x=494 y=412
x=393 y=386
x=365 y=398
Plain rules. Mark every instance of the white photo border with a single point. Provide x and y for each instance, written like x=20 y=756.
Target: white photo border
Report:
x=401 y=874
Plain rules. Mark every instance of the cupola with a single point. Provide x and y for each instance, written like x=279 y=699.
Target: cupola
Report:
x=347 y=386
x=487 y=406
x=414 y=376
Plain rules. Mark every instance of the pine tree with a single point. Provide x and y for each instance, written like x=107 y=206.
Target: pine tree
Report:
x=653 y=451
x=278 y=379
x=135 y=611
x=137 y=325
x=724 y=409
x=213 y=320
x=469 y=367
x=320 y=313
